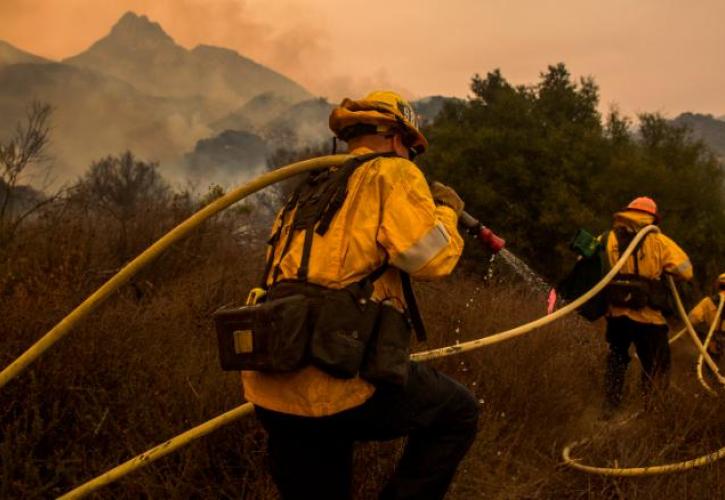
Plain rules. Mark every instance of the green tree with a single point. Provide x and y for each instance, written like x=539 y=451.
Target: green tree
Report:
x=537 y=162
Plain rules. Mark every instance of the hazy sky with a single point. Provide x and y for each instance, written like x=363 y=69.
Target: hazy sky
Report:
x=646 y=55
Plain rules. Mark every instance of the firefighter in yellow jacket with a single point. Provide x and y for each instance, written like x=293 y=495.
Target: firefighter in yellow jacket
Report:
x=637 y=299
x=387 y=224
x=703 y=314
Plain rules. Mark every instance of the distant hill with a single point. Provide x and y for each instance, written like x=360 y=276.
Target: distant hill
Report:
x=22 y=198
x=138 y=51
x=429 y=107
x=95 y=115
x=208 y=110
x=706 y=128
x=13 y=55
x=226 y=157
x=137 y=89
x=255 y=113
x=303 y=124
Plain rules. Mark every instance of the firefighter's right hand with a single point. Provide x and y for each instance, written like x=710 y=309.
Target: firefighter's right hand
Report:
x=444 y=195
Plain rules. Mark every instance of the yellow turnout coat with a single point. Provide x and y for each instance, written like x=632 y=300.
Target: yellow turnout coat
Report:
x=388 y=213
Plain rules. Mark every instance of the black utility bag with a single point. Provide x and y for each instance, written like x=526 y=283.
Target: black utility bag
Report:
x=634 y=291
x=268 y=337
x=628 y=290
x=388 y=354
x=343 y=329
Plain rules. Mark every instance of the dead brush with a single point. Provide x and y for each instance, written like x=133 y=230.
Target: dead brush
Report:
x=144 y=368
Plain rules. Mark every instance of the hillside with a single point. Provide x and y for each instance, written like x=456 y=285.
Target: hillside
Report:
x=140 y=52
x=13 y=55
x=95 y=114
x=137 y=89
x=707 y=128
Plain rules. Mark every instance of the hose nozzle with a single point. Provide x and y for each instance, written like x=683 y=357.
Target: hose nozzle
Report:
x=488 y=238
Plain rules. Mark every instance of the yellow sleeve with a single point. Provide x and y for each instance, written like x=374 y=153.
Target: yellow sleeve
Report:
x=674 y=260
x=419 y=237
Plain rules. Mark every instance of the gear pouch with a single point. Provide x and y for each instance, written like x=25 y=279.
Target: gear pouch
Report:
x=267 y=337
x=629 y=293
x=342 y=330
x=388 y=355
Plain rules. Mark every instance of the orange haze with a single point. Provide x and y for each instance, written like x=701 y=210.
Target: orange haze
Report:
x=649 y=55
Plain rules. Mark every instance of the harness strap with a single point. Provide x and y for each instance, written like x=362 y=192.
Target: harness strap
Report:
x=412 y=306
x=304 y=268
x=326 y=205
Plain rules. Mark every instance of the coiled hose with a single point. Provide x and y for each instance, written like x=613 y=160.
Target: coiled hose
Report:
x=665 y=468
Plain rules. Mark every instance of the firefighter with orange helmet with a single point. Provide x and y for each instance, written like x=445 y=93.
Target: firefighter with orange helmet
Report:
x=386 y=225
x=638 y=299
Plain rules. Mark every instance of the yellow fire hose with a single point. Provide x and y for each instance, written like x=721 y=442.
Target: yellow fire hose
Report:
x=693 y=335
x=203 y=429
x=715 y=325
x=543 y=321
x=160 y=450
x=183 y=229
x=639 y=471
x=679 y=334
x=665 y=468
x=133 y=267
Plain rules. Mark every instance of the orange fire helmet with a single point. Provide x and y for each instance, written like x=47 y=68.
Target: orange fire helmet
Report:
x=645 y=205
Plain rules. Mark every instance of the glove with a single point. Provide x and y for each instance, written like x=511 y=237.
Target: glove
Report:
x=443 y=195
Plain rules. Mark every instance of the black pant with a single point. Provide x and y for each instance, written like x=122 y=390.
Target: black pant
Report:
x=311 y=457
x=653 y=350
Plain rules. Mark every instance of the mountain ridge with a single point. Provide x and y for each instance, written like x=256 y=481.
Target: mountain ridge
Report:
x=9 y=54
x=139 y=51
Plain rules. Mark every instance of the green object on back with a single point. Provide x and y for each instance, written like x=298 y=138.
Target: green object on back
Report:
x=587 y=272
x=585 y=244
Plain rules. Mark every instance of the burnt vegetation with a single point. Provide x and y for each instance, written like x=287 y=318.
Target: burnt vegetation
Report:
x=534 y=162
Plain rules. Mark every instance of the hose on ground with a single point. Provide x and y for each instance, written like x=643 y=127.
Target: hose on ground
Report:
x=652 y=470
x=61 y=329
x=665 y=468
x=691 y=330
x=242 y=410
x=715 y=325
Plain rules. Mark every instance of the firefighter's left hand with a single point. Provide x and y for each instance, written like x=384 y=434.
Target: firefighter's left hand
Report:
x=444 y=195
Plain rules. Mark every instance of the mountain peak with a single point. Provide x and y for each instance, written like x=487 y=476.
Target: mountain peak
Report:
x=139 y=31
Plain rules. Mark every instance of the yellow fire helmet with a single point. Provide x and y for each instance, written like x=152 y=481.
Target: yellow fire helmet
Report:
x=721 y=281
x=380 y=112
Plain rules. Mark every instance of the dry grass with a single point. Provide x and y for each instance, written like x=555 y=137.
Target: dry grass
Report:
x=144 y=368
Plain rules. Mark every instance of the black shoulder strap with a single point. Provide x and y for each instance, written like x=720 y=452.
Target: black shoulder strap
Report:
x=412 y=306
x=326 y=206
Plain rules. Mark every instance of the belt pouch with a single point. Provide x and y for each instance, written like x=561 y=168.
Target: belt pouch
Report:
x=267 y=337
x=342 y=330
x=388 y=355
x=632 y=294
